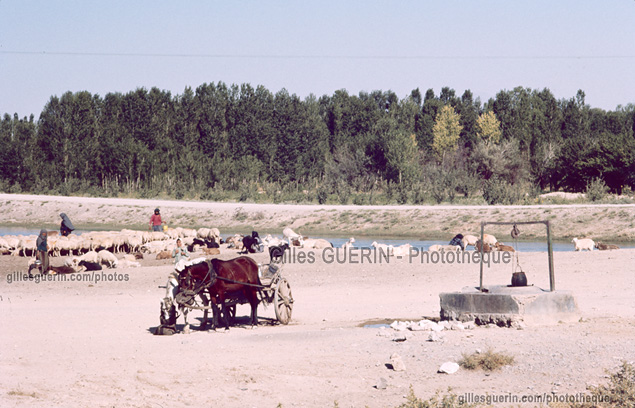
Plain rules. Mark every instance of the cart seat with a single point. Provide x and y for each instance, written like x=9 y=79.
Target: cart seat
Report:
x=266 y=272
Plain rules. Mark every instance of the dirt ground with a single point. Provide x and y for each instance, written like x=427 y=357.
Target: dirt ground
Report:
x=90 y=344
x=86 y=343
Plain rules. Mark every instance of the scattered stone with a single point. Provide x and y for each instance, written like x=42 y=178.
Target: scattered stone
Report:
x=397 y=363
x=399 y=326
x=381 y=384
x=435 y=336
x=448 y=368
x=383 y=332
x=469 y=325
x=400 y=337
x=457 y=326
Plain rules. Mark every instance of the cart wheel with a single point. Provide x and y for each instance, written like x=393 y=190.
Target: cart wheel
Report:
x=283 y=301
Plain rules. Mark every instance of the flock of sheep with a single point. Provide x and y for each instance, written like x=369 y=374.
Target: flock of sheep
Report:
x=101 y=246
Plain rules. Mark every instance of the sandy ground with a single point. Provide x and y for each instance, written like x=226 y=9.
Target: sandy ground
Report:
x=89 y=344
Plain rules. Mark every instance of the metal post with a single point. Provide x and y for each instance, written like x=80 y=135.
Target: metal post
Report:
x=482 y=245
x=552 y=277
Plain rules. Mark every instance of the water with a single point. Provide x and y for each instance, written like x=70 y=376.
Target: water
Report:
x=365 y=242
x=525 y=246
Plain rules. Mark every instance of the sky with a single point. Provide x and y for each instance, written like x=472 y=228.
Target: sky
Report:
x=317 y=47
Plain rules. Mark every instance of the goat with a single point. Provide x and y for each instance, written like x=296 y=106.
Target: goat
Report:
x=605 y=247
x=502 y=247
x=584 y=244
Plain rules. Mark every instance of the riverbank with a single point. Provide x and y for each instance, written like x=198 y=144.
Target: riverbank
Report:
x=605 y=222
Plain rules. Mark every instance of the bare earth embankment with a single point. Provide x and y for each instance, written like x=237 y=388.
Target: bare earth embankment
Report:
x=85 y=343
x=603 y=222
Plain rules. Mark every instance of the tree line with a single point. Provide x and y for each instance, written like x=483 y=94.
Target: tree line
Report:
x=221 y=142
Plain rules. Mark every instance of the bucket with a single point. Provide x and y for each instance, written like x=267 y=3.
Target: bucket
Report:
x=519 y=279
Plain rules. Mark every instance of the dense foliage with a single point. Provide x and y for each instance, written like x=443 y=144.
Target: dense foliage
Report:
x=219 y=141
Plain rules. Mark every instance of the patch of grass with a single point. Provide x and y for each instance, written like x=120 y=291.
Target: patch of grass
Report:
x=21 y=393
x=450 y=400
x=488 y=361
x=258 y=216
x=620 y=391
x=240 y=214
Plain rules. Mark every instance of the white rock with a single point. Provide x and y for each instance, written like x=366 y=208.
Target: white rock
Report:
x=397 y=362
x=449 y=368
x=437 y=327
x=399 y=326
x=383 y=332
x=457 y=326
x=381 y=384
x=435 y=336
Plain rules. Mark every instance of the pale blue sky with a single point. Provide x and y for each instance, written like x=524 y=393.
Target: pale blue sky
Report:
x=50 y=47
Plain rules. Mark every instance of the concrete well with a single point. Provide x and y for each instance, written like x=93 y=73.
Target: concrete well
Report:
x=509 y=306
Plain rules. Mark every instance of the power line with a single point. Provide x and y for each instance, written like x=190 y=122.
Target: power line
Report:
x=308 y=56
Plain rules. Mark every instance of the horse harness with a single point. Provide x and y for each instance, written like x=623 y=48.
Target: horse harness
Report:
x=208 y=281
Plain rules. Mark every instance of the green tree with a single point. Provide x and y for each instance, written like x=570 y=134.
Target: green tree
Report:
x=446 y=131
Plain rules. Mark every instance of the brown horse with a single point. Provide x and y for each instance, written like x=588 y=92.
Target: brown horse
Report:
x=237 y=277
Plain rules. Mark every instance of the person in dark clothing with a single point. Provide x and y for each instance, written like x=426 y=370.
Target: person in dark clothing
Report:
x=253 y=243
x=458 y=240
x=42 y=252
x=66 y=227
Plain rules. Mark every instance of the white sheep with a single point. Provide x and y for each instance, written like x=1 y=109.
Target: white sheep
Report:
x=469 y=240
x=402 y=250
x=584 y=244
x=316 y=243
x=489 y=239
x=107 y=258
x=90 y=256
x=385 y=248
x=349 y=243
x=290 y=235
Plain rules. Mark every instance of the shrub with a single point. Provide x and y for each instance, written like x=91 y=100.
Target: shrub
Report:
x=488 y=361
x=450 y=400
x=359 y=199
x=343 y=192
x=15 y=189
x=619 y=393
x=322 y=195
x=401 y=194
x=240 y=214
x=496 y=191
x=596 y=190
x=419 y=194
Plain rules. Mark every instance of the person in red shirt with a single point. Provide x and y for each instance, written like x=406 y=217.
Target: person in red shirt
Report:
x=155 y=221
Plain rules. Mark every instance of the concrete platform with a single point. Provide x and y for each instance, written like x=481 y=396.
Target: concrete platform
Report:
x=509 y=306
